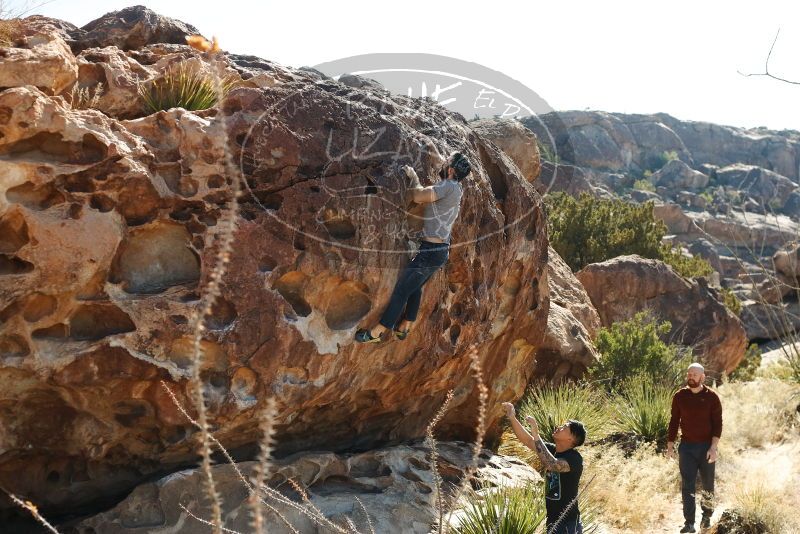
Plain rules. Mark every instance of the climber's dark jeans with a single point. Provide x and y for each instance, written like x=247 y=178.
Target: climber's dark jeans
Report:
x=691 y=459
x=408 y=289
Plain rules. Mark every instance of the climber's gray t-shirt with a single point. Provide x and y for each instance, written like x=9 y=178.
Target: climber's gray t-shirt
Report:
x=441 y=214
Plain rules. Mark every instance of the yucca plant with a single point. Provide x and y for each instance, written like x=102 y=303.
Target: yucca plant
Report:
x=552 y=405
x=643 y=409
x=504 y=511
x=182 y=87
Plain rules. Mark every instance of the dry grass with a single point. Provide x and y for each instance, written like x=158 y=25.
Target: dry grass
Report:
x=758 y=413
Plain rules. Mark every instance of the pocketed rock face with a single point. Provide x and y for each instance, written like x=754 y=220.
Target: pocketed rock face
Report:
x=107 y=242
x=623 y=286
x=572 y=325
x=395 y=486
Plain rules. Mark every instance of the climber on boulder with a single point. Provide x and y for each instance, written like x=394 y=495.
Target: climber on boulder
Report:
x=442 y=203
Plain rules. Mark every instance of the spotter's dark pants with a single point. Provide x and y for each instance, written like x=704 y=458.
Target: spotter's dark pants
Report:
x=408 y=289
x=691 y=459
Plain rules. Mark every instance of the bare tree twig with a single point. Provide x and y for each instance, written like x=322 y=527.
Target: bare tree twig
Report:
x=766 y=72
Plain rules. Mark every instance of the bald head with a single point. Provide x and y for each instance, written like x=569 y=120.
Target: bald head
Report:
x=695 y=375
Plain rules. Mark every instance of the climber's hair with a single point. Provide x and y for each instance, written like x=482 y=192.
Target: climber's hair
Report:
x=578 y=431
x=460 y=164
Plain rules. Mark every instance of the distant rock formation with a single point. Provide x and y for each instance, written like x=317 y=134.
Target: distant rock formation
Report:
x=623 y=286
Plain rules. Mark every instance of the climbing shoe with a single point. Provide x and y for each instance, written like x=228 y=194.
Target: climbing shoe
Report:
x=705 y=522
x=363 y=336
x=401 y=334
x=688 y=527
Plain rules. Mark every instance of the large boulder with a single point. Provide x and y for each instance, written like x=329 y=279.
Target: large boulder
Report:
x=517 y=141
x=38 y=57
x=572 y=324
x=623 y=286
x=130 y=28
x=677 y=175
x=108 y=243
x=770 y=189
x=395 y=487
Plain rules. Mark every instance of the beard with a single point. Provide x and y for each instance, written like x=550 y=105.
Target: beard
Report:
x=692 y=383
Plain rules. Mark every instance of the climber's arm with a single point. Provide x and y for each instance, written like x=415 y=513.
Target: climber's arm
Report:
x=423 y=195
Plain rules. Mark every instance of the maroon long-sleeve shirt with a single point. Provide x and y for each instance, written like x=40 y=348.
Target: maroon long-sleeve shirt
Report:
x=699 y=416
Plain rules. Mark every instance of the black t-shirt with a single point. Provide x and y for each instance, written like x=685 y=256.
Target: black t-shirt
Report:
x=560 y=489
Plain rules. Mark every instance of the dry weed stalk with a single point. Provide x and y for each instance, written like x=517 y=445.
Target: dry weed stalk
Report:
x=266 y=429
x=430 y=439
x=32 y=509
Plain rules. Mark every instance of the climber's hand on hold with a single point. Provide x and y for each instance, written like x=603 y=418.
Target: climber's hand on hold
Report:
x=413 y=179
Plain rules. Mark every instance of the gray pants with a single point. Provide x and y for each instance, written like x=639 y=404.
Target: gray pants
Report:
x=691 y=459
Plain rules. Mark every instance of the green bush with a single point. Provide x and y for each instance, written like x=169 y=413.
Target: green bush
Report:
x=182 y=87
x=731 y=301
x=552 y=405
x=634 y=349
x=521 y=510
x=746 y=370
x=686 y=266
x=643 y=408
x=590 y=230
x=504 y=511
x=644 y=185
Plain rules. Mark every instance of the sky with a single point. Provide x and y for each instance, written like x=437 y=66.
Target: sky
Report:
x=681 y=57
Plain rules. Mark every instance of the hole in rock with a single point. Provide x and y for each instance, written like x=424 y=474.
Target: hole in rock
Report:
x=47 y=146
x=314 y=189
x=299 y=242
x=14 y=265
x=243 y=384
x=370 y=190
x=96 y=321
x=182 y=354
x=56 y=331
x=215 y=181
x=223 y=313
x=138 y=202
x=35 y=198
x=456 y=310
x=496 y=178
x=207 y=219
x=38 y=306
x=455 y=331
x=267 y=264
x=53 y=477
x=13 y=346
x=79 y=182
x=75 y=210
x=348 y=304
x=178 y=182
x=154 y=258
x=101 y=203
x=178 y=319
x=339 y=226
x=13 y=232
x=290 y=286
x=127 y=413
x=270 y=201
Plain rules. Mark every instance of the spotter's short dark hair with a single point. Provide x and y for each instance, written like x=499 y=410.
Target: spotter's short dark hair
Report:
x=578 y=431
x=460 y=164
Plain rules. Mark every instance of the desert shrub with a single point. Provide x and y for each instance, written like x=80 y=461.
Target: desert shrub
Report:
x=182 y=87
x=546 y=152
x=588 y=230
x=634 y=348
x=643 y=409
x=731 y=301
x=644 y=185
x=755 y=510
x=504 y=511
x=657 y=161
x=552 y=405
x=746 y=370
x=686 y=266
x=510 y=510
